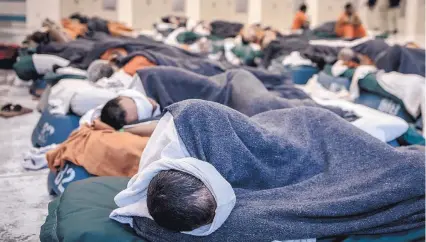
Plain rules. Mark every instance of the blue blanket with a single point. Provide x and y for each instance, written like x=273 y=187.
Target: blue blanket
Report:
x=206 y=67
x=299 y=173
x=402 y=59
x=132 y=45
x=237 y=89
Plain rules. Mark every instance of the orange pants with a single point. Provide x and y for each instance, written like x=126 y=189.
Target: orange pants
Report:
x=351 y=31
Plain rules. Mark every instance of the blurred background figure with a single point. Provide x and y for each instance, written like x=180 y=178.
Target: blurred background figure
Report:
x=388 y=12
x=371 y=15
x=301 y=20
x=349 y=24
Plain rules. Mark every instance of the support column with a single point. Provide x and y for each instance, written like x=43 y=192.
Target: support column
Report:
x=313 y=12
x=193 y=9
x=254 y=11
x=125 y=12
x=411 y=19
x=37 y=11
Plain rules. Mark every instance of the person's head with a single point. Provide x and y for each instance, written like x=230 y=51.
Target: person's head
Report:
x=179 y=201
x=346 y=54
x=303 y=8
x=99 y=69
x=119 y=111
x=349 y=9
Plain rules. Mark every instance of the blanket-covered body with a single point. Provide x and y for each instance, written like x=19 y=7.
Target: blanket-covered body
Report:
x=299 y=173
x=206 y=67
x=238 y=89
x=133 y=45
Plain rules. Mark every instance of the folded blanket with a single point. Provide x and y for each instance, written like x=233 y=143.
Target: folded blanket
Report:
x=237 y=89
x=100 y=150
x=299 y=173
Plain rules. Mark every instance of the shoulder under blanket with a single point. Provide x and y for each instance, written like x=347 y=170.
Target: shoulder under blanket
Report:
x=206 y=67
x=372 y=48
x=402 y=59
x=237 y=89
x=282 y=47
x=74 y=51
x=299 y=173
x=133 y=45
x=225 y=29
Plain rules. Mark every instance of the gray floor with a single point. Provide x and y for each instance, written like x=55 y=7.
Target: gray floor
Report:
x=24 y=195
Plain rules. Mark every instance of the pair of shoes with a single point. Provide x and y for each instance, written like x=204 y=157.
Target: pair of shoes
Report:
x=11 y=108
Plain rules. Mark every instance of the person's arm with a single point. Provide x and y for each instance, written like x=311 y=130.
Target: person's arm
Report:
x=144 y=130
x=356 y=20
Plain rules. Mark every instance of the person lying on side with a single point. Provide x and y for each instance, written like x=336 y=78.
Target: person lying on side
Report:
x=284 y=171
x=126 y=113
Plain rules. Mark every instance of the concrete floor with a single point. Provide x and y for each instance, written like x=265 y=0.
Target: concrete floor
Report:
x=24 y=193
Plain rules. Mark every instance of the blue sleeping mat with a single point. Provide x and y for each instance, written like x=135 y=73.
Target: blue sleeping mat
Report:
x=334 y=84
x=301 y=74
x=384 y=105
x=53 y=128
x=56 y=183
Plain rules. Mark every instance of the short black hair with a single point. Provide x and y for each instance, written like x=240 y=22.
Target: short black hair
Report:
x=113 y=114
x=348 y=5
x=303 y=7
x=179 y=201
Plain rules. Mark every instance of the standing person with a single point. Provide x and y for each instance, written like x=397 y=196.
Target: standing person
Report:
x=301 y=20
x=371 y=14
x=349 y=24
x=393 y=13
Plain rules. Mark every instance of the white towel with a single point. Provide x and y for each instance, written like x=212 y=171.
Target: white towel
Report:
x=35 y=158
x=132 y=200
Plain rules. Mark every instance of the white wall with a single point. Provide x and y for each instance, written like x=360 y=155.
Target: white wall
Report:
x=37 y=11
x=87 y=7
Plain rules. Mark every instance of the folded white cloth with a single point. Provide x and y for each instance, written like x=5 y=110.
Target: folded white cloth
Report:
x=360 y=73
x=132 y=200
x=295 y=59
x=71 y=71
x=338 y=68
x=35 y=158
x=383 y=126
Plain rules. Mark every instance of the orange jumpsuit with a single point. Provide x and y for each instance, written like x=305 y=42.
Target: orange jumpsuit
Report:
x=346 y=28
x=299 y=20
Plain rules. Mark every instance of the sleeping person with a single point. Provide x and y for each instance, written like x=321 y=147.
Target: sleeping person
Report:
x=285 y=174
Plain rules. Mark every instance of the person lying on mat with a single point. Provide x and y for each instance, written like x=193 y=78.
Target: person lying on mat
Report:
x=130 y=107
x=301 y=21
x=351 y=59
x=197 y=166
x=349 y=24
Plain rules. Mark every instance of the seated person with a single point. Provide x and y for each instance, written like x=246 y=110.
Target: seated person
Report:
x=349 y=24
x=301 y=21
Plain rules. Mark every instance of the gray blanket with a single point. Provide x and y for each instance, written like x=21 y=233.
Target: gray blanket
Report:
x=238 y=89
x=299 y=173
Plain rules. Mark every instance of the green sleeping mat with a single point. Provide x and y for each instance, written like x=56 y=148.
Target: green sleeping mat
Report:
x=81 y=214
